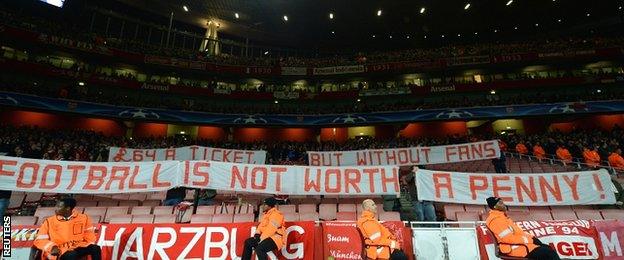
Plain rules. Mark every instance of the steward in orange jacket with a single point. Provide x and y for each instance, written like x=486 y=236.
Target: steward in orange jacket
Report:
x=564 y=155
x=512 y=240
x=539 y=152
x=592 y=158
x=616 y=161
x=68 y=234
x=521 y=148
x=270 y=234
x=378 y=241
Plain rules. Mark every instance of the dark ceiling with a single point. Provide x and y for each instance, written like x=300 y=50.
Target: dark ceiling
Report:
x=400 y=25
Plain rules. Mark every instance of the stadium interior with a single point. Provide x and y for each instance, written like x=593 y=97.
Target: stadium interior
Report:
x=79 y=77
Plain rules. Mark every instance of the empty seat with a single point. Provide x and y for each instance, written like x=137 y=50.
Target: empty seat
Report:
x=16 y=200
x=141 y=210
x=617 y=214
x=518 y=215
x=248 y=217
x=143 y=219
x=120 y=219
x=222 y=218
x=291 y=216
x=390 y=216
x=138 y=196
x=96 y=219
x=451 y=209
x=206 y=209
x=121 y=196
x=170 y=218
x=539 y=215
x=287 y=208
x=346 y=208
x=539 y=209
x=183 y=216
x=309 y=216
x=152 y=203
x=227 y=209
x=588 y=214
x=95 y=211
x=23 y=220
x=475 y=208
x=163 y=210
x=112 y=211
x=346 y=216
x=306 y=208
x=33 y=197
x=88 y=203
x=467 y=216
x=518 y=208
x=129 y=203
x=327 y=211
x=108 y=203
x=201 y=218
x=246 y=208
x=160 y=196
x=563 y=214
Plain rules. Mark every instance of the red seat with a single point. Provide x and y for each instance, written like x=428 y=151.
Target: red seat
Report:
x=327 y=211
x=467 y=216
x=291 y=216
x=151 y=203
x=23 y=220
x=389 y=216
x=143 y=219
x=475 y=208
x=248 y=217
x=451 y=209
x=588 y=214
x=539 y=215
x=518 y=208
x=201 y=218
x=170 y=218
x=44 y=212
x=163 y=210
x=227 y=209
x=246 y=208
x=518 y=215
x=120 y=219
x=141 y=210
x=563 y=214
x=612 y=214
x=108 y=203
x=346 y=208
x=287 y=208
x=346 y=216
x=222 y=218
x=307 y=208
x=112 y=211
x=206 y=209
x=96 y=211
x=129 y=203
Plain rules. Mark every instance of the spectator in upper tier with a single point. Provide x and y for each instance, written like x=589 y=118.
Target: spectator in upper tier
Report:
x=563 y=154
x=616 y=161
x=521 y=148
x=539 y=152
x=592 y=158
x=502 y=145
x=512 y=240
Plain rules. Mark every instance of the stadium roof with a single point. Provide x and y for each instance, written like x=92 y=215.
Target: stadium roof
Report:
x=349 y=24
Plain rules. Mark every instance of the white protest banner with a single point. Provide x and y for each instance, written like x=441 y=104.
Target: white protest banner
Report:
x=291 y=180
x=31 y=175
x=574 y=239
x=421 y=155
x=565 y=188
x=191 y=153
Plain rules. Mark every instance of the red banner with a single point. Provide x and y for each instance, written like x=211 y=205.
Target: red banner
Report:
x=197 y=241
x=342 y=240
x=610 y=234
x=572 y=239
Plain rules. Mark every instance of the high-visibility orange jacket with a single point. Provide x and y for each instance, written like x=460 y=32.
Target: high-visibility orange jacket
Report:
x=507 y=232
x=272 y=226
x=564 y=155
x=539 y=152
x=521 y=148
x=502 y=145
x=376 y=234
x=592 y=158
x=65 y=233
x=616 y=161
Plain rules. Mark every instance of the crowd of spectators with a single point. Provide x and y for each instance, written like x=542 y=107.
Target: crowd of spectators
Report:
x=76 y=32
x=82 y=145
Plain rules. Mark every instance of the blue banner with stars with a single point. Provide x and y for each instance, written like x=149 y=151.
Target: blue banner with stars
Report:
x=148 y=114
